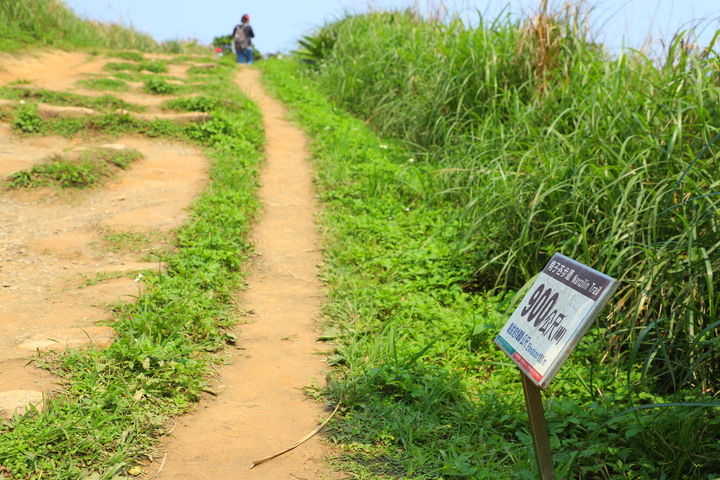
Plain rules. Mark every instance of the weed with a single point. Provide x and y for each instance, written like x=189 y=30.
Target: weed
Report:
x=84 y=171
x=102 y=103
x=149 y=246
x=121 y=67
x=127 y=55
x=159 y=86
x=58 y=171
x=211 y=69
x=27 y=119
x=316 y=49
x=112 y=84
x=172 y=46
x=101 y=277
x=193 y=104
x=154 y=66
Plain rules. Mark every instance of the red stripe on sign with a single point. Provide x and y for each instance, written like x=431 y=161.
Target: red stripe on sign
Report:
x=528 y=368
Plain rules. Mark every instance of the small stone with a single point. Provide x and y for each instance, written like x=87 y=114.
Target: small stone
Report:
x=78 y=338
x=17 y=401
x=115 y=146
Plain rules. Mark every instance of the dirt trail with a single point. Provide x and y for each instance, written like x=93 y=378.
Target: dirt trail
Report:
x=57 y=274
x=262 y=409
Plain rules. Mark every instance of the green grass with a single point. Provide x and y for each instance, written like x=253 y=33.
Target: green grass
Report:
x=145 y=245
x=193 y=104
x=488 y=163
x=51 y=23
x=159 y=86
x=126 y=55
x=548 y=144
x=154 y=66
x=111 y=84
x=103 y=277
x=115 y=404
x=26 y=119
x=85 y=170
x=104 y=103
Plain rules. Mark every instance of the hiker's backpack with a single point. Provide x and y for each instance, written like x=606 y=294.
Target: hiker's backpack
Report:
x=242 y=41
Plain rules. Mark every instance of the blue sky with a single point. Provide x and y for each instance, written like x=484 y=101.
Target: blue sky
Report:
x=278 y=24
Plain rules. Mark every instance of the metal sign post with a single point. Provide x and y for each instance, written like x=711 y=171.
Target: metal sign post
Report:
x=546 y=326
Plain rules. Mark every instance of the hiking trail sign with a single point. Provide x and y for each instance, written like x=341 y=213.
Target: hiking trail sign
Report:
x=553 y=316
x=546 y=326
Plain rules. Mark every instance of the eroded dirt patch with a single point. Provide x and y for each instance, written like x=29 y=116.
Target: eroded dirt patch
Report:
x=61 y=255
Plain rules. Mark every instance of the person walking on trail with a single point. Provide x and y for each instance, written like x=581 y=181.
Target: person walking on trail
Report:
x=242 y=40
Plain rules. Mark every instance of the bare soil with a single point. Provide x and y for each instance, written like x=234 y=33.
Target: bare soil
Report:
x=58 y=273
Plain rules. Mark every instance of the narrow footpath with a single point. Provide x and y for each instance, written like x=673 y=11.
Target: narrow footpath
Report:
x=261 y=408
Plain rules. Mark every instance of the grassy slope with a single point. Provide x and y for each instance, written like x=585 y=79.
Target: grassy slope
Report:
x=49 y=23
x=426 y=393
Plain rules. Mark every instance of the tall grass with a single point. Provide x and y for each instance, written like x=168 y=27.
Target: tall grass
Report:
x=51 y=23
x=540 y=141
x=518 y=140
x=424 y=392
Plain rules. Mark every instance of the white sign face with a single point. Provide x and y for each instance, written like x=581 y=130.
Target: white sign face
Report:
x=553 y=316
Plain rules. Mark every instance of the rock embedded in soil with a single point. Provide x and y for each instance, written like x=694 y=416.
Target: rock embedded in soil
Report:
x=47 y=112
x=17 y=401
x=60 y=340
x=181 y=118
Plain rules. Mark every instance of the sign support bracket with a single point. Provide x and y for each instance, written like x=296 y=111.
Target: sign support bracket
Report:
x=538 y=428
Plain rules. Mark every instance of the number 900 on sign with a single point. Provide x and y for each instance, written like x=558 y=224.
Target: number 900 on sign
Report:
x=540 y=311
